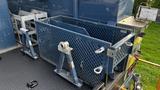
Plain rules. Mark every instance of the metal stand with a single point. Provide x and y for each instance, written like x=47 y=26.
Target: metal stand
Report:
x=39 y=15
x=26 y=20
x=28 y=49
x=71 y=76
x=24 y=24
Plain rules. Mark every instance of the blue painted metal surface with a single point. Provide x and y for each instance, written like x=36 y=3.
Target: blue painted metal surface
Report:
x=50 y=33
x=57 y=7
x=105 y=11
x=7 y=38
x=53 y=7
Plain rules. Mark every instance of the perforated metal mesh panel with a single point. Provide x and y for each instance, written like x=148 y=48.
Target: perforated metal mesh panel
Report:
x=84 y=47
x=103 y=32
x=107 y=33
x=121 y=54
x=50 y=34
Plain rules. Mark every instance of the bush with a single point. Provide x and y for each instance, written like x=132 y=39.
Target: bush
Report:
x=156 y=3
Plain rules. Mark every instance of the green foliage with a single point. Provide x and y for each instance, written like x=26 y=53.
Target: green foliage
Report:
x=150 y=49
x=156 y=3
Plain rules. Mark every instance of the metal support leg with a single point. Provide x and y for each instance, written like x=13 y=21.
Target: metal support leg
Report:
x=75 y=7
x=137 y=84
x=61 y=61
x=29 y=50
x=65 y=51
x=72 y=68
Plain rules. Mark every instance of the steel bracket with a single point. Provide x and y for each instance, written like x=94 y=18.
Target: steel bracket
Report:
x=111 y=52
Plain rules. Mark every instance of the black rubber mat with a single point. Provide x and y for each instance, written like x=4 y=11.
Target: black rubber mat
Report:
x=16 y=70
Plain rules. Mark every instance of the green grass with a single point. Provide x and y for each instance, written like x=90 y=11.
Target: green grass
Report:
x=151 y=52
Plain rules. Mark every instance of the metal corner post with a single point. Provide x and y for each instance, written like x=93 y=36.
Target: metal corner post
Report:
x=75 y=8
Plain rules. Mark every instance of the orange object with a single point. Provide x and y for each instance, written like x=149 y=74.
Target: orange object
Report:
x=158 y=85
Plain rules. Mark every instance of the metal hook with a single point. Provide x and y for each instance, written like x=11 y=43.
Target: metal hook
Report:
x=129 y=44
x=98 y=70
x=100 y=50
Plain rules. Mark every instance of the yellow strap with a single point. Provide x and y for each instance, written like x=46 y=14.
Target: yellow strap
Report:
x=123 y=88
x=131 y=60
x=148 y=62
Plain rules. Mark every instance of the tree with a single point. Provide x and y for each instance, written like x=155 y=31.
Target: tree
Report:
x=156 y=3
x=138 y=3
